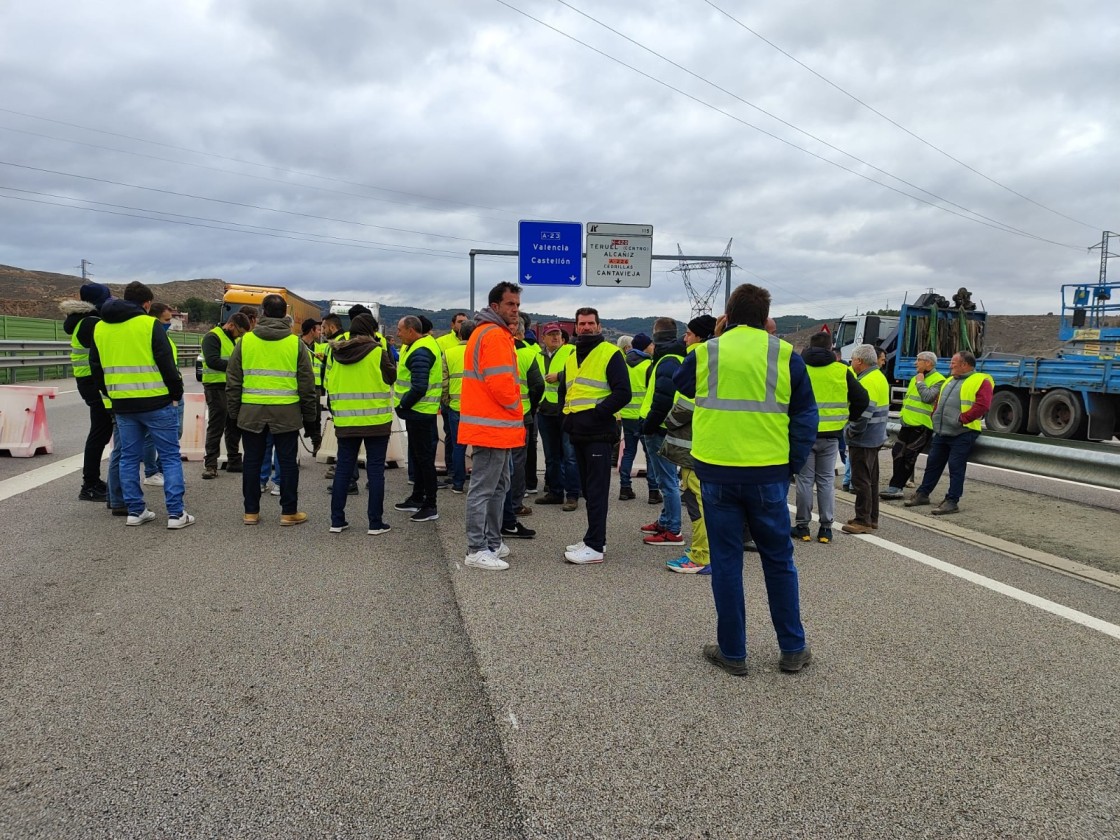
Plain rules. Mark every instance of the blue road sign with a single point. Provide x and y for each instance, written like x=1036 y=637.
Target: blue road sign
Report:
x=550 y=253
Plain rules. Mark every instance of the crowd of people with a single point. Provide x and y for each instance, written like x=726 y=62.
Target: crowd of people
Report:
x=728 y=416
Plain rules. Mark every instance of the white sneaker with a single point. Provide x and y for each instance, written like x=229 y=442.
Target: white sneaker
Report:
x=584 y=557
x=338 y=529
x=153 y=480
x=487 y=560
x=577 y=546
x=184 y=521
x=146 y=516
x=503 y=552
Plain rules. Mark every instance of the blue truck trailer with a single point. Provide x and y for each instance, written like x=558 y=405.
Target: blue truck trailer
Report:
x=1074 y=395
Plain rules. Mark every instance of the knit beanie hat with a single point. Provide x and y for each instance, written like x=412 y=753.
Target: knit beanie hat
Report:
x=95 y=293
x=703 y=327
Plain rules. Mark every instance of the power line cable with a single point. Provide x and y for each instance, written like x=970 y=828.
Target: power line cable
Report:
x=782 y=140
x=232 y=160
x=239 y=203
x=901 y=127
x=790 y=125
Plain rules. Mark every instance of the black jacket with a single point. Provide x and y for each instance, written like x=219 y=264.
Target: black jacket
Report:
x=117 y=312
x=663 y=388
x=598 y=424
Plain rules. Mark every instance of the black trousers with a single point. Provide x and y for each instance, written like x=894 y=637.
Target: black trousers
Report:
x=421 y=430
x=865 y=482
x=531 y=452
x=218 y=424
x=100 y=432
x=904 y=454
x=287 y=445
x=595 y=467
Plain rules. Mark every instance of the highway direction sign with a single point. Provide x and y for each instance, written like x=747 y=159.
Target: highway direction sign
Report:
x=550 y=253
x=619 y=255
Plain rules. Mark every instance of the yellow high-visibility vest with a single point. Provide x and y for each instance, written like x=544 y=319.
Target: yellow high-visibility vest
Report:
x=586 y=384
x=969 y=389
x=914 y=411
x=269 y=370
x=638 y=374
x=830 y=390
x=651 y=385
x=359 y=395
x=455 y=357
x=429 y=403
x=209 y=375
x=743 y=389
x=127 y=359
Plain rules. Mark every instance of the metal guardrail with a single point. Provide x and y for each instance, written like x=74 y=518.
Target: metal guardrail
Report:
x=187 y=354
x=1070 y=460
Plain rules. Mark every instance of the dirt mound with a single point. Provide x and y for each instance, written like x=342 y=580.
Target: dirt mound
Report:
x=37 y=294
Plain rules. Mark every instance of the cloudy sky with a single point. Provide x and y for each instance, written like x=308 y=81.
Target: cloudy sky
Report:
x=854 y=152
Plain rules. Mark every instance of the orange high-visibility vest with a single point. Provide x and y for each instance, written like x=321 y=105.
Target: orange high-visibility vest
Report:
x=490 y=405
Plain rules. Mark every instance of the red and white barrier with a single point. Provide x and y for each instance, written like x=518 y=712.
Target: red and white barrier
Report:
x=23 y=420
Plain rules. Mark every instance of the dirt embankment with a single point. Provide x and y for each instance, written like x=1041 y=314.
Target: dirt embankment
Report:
x=37 y=294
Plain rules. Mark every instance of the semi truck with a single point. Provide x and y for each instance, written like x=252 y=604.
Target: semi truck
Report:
x=1072 y=396
x=238 y=295
x=341 y=308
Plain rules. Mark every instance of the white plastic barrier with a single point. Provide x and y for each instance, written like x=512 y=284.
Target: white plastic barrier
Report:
x=24 y=431
x=192 y=444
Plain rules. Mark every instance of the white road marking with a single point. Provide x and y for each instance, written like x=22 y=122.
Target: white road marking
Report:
x=1068 y=613
x=1076 y=616
x=37 y=478
x=513 y=721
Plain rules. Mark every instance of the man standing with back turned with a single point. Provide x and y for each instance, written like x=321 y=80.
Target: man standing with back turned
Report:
x=491 y=421
x=754 y=424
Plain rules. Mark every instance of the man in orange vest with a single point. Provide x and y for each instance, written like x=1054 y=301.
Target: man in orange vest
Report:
x=491 y=421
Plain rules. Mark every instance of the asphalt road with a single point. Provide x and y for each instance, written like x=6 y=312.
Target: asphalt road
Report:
x=234 y=682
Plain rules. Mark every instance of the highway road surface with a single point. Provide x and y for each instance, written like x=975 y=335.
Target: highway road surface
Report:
x=224 y=681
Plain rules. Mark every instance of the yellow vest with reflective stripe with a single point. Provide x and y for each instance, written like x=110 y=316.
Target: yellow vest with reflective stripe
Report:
x=651 y=385
x=359 y=395
x=269 y=370
x=638 y=374
x=79 y=355
x=210 y=376
x=879 y=395
x=969 y=389
x=526 y=357
x=743 y=389
x=127 y=360
x=586 y=384
x=319 y=347
x=555 y=365
x=830 y=390
x=455 y=357
x=429 y=403
x=914 y=411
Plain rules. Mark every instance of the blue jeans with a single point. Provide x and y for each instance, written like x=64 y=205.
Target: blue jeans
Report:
x=152 y=462
x=631 y=434
x=665 y=475
x=270 y=463
x=954 y=452
x=763 y=507
x=345 y=470
x=163 y=425
x=116 y=492
x=458 y=465
x=570 y=475
x=253 y=444
x=552 y=442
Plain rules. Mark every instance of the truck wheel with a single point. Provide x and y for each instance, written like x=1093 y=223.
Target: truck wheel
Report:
x=1007 y=413
x=1061 y=415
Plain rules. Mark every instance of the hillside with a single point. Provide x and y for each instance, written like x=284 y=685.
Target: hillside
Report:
x=37 y=294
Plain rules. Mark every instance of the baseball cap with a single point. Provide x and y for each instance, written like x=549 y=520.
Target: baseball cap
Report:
x=551 y=326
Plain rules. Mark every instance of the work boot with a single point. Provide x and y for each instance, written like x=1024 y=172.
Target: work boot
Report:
x=791 y=663
x=854 y=526
x=655 y=497
x=210 y=472
x=293 y=518
x=947 y=506
x=571 y=504
x=625 y=494
x=916 y=500
x=735 y=667
x=550 y=499
x=234 y=464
